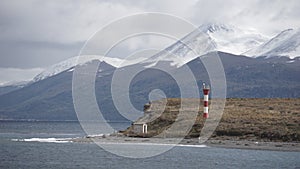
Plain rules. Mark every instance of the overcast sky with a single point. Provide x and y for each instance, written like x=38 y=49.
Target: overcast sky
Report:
x=35 y=34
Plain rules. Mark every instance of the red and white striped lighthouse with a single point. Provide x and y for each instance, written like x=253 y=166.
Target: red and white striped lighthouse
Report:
x=205 y=100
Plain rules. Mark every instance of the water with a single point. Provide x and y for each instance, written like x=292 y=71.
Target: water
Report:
x=19 y=154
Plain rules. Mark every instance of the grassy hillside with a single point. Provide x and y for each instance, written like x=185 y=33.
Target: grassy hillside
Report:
x=243 y=119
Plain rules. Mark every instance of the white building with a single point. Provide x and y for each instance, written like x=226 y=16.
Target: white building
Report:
x=140 y=128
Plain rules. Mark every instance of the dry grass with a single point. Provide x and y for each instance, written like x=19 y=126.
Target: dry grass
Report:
x=245 y=119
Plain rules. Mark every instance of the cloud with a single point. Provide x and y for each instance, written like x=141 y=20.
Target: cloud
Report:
x=267 y=16
x=60 y=21
x=37 y=33
x=30 y=54
x=70 y=21
x=11 y=75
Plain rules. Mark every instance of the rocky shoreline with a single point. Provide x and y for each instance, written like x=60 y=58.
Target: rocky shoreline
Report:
x=258 y=124
x=192 y=142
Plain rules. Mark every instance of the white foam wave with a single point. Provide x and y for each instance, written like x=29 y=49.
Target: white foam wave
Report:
x=46 y=140
x=189 y=145
x=154 y=144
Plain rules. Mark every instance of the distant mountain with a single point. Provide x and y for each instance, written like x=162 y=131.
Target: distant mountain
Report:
x=286 y=43
x=47 y=99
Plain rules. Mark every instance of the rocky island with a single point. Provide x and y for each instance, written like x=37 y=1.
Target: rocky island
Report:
x=252 y=123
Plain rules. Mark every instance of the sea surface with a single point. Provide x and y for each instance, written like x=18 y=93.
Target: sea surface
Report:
x=31 y=144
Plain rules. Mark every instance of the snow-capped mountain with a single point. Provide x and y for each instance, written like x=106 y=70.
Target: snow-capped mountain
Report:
x=208 y=38
x=81 y=60
x=205 y=39
x=51 y=98
x=194 y=44
x=286 y=43
x=11 y=86
x=19 y=84
x=231 y=39
x=72 y=62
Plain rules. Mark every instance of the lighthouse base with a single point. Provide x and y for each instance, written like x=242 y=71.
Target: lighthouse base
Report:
x=205 y=115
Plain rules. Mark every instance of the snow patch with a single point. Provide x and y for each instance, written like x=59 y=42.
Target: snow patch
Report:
x=293 y=53
x=81 y=60
x=291 y=61
x=234 y=40
x=19 y=84
x=188 y=48
x=286 y=43
x=208 y=38
x=71 y=70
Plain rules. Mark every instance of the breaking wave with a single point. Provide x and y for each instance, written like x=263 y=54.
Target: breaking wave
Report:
x=46 y=140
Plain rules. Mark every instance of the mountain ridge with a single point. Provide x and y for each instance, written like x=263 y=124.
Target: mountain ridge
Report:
x=286 y=43
x=217 y=36
x=180 y=53
x=232 y=39
x=51 y=98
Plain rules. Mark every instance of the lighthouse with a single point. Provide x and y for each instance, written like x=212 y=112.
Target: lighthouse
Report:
x=206 y=90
